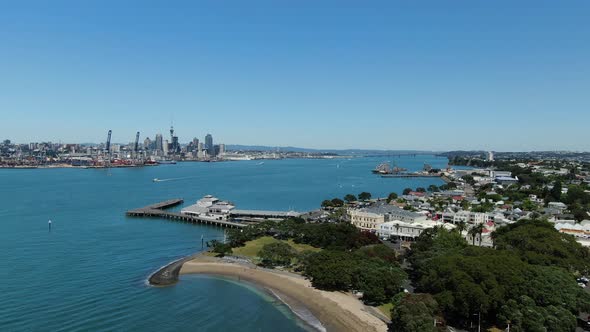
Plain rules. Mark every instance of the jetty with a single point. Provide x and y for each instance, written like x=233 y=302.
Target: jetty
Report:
x=158 y=210
x=168 y=275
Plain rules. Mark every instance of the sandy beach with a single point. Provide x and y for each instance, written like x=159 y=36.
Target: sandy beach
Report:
x=336 y=311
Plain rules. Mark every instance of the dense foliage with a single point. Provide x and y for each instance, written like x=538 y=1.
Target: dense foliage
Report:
x=377 y=278
x=414 y=313
x=220 y=248
x=276 y=254
x=537 y=242
x=339 y=236
x=352 y=259
x=502 y=284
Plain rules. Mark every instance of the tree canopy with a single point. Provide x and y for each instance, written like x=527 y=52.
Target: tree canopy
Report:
x=502 y=284
x=350 y=198
x=379 y=280
x=414 y=313
x=276 y=254
x=538 y=242
x=364 y=196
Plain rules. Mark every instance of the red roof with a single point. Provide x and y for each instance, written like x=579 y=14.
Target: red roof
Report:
x=490 y=223
x=458 y=198
x=417 y=193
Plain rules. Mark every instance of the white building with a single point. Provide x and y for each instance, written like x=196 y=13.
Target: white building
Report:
x=408 y=230
x=557 y=205
x=467 y=217
x=209 y=207
x=370 y=218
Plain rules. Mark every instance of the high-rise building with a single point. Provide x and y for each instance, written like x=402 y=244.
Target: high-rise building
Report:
x=165 y=147
x=147 y=144
x=209 y=145
x=221 y=149
x=159 y=142
x=200 y=150
x=174 y=146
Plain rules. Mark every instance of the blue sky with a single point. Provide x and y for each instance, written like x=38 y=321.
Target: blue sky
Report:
x=433 y=75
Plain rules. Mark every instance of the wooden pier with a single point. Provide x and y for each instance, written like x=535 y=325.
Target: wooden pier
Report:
x=157 y=210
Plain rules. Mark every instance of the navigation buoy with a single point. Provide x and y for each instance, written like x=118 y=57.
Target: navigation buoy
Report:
x=49 y=224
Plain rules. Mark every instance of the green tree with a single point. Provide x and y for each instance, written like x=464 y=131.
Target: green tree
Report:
x=391 y=197
x=461 y=226
x=407 y=191
x=528 y=205
x=220 y=248
x=421 y=190
x=433 y=188
x=469 y=179
x=414 y=313
x=539 y=243
x=350 y=198
x=555 y=192
x=476 y=231
x=337 y=202
x=276 y=254
x=327 y=204
x=364 y=196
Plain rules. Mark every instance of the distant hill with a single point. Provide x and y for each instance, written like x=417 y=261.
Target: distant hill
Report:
x=235 y=147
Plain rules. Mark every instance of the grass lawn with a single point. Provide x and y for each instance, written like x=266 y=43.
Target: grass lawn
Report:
x=386 y=309
x=252 y=248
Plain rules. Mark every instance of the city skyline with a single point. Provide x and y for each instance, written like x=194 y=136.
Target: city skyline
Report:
x=430 y=76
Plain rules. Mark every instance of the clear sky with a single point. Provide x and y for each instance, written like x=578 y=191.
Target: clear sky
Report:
x=431 y=75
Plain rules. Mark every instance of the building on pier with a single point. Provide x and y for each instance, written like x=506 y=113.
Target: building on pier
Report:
x=210 y=207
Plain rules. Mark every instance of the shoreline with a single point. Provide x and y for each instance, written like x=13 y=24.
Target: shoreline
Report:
x=336 y=311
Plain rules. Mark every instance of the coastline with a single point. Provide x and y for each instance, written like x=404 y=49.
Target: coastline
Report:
x=336 y=311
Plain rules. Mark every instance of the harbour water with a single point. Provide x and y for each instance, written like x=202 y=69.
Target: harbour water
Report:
x=89 y=272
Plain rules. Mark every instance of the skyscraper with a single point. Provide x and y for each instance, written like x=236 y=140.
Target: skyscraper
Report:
x=147 y=144
x=200 y=150
x=209 y=145
x=165 y=147
x=159 y=142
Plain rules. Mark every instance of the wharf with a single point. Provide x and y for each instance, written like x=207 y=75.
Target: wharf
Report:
x=157 y=210
x=263 y=214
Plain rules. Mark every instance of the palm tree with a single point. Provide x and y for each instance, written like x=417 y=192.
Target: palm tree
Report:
x=461 y=227
x=480 y=229
x=398 y=236
x=474 y=231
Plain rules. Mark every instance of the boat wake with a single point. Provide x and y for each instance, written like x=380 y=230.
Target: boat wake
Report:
x=171 y=179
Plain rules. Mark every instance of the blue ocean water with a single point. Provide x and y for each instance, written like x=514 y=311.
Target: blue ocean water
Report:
x=89 y=272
